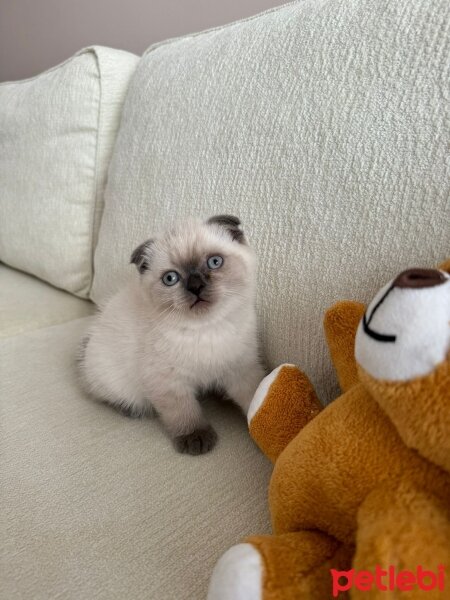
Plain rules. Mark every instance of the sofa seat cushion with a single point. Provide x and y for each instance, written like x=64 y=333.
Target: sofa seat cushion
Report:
x=323 y=125
x=96 y=505
x=57 y=134
x=27 y=303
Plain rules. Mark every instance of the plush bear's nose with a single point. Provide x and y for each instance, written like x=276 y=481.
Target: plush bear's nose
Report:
x=195 y=283
x=419 y=278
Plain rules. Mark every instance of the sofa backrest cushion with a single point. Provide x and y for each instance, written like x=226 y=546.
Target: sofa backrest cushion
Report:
x=323 y=125
x=56 y=136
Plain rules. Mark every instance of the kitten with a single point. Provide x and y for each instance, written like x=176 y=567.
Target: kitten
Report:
x=186 y=323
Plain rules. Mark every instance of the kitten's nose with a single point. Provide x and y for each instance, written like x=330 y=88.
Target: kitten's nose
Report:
x=195 y=283
x=419 y=278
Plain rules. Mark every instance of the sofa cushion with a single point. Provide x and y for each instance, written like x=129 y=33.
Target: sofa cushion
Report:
x=57 y=133
x=96 y=505
x=27 y=303
x=324 y=125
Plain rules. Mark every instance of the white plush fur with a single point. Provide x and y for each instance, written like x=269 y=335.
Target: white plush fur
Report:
x=237 y=575
x=420 y=318
x=149 y=347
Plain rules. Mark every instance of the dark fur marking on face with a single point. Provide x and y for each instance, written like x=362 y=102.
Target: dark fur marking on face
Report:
x=231 y=224
x=193 y=266
x=140 y=256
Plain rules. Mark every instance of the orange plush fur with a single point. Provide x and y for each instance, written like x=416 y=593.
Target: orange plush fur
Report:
x=362 y=482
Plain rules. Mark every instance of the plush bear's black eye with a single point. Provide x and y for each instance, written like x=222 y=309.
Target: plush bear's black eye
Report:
x=170 y=278
x=214 y=262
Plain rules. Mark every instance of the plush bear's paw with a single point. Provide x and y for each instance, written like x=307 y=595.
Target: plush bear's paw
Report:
x=283 y=404
x=237 y=575
x=263 y=389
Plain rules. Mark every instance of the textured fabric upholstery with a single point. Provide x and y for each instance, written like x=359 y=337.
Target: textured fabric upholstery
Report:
x=56 y=136
x=98 y=506
x=26 y=303
x=323 y=125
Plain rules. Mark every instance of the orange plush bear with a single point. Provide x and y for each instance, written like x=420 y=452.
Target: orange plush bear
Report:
x=360 y=492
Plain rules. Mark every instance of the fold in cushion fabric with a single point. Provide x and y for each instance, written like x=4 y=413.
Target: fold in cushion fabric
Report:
x=26 y=303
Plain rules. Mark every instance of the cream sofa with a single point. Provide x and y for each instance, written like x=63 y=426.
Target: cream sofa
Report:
x=324 y=126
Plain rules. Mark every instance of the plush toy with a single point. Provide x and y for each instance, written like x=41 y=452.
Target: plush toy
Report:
x=360 y=491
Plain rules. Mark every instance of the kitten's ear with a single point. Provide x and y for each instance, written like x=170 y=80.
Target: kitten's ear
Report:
x=231 y=224
x=141 y=256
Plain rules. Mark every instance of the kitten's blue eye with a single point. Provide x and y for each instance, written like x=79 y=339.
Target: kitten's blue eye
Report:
x=214 y=262
x=170 y=278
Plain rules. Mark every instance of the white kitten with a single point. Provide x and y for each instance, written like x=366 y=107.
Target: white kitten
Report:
x=184 y=324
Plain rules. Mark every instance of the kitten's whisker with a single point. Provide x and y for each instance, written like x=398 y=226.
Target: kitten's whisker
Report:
x=166 y=316
x=234 y=294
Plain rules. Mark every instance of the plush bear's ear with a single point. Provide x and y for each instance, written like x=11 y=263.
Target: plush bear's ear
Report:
x=231 y=224
x=141 y=256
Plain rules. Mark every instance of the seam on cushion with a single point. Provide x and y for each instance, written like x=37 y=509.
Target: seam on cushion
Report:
x=65 y=320
x=188 y=36
x=43 y=281
x=9 y=336
x=51 y=69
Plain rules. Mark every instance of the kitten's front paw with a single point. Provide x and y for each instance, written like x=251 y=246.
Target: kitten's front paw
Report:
x=198 y=442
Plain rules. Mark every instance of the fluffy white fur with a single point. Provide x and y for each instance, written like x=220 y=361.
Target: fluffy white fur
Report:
x=152 y=346
x=238 y=575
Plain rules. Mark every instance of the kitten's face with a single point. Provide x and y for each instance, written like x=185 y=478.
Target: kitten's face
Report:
x=198 y=269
